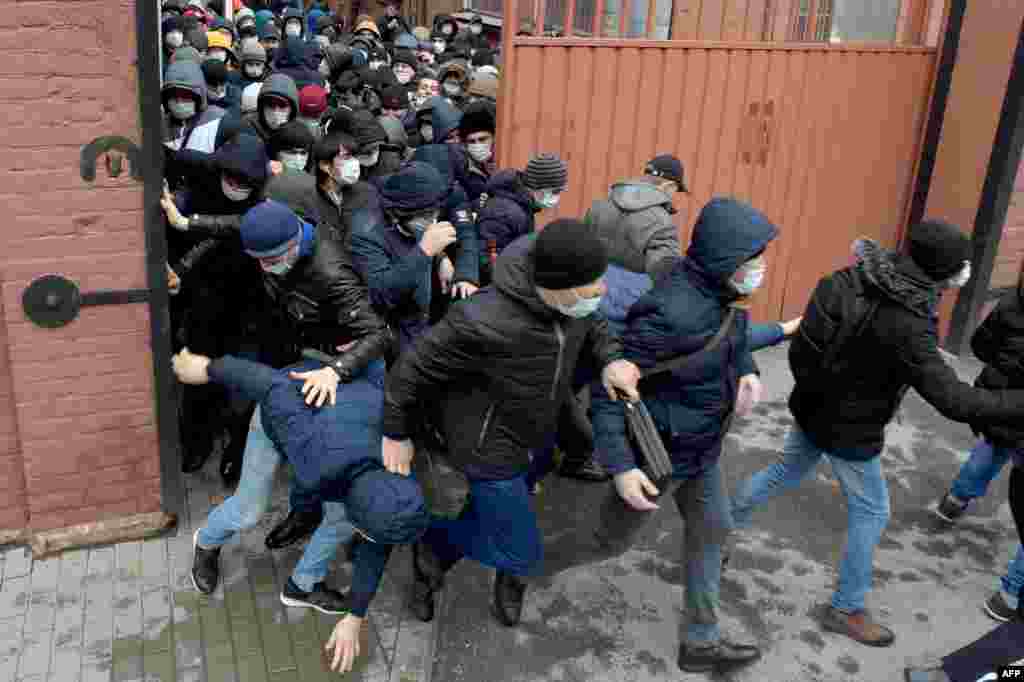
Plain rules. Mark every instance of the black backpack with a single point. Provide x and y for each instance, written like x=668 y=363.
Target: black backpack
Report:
x=839 y=311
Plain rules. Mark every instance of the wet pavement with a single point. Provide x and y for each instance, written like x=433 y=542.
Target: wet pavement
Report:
x=129 y=612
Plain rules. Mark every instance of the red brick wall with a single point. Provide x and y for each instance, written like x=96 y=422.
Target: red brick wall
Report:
x=77 y=426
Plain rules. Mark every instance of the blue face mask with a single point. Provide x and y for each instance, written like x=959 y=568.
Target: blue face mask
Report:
x=585 y=307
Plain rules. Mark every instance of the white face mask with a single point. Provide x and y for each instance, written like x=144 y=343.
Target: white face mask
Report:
x=480 y=151
x=446 y=29
x=403 y=75
x=369 y=160
x=749 y=277
x=451 y=88
x=293 y=29
x=182 y=109
x=476 y=29
x=427 y=133
x=583 y=307
x=254 y=70
x=376 y=64
x=548 y=198
x=346 y=171
x=175 y=39
x=218 y=93
x=234 y=193
x=276 y=117
x=962 y=277
x=218 y=55
x=293 y=160
x=439 y=46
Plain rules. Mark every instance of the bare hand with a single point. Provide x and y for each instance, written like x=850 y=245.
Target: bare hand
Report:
x=632 y=486
x=174 y=217
x=344 y=643
x=749 y=393
x=397 y=455
x=190 y=368
x=275 y=167
x=319 y=385
x=464 y=290
x=446 y=273
x=789 y=327
x=622 y=376
x=173 y=282
x=437 y=238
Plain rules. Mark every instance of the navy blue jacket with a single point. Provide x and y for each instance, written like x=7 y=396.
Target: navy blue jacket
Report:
x=291 y=60
x=509 y=212
x=678 y=316
x=328 y=446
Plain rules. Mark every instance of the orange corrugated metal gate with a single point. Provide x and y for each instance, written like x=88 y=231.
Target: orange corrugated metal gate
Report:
x=823 y=138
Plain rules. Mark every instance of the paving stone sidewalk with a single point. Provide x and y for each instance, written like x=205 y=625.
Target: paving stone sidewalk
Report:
x=129 y=612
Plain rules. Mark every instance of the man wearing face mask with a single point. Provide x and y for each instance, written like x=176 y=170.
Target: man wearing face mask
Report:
x=396 y=250
x=254 y=66
x=404 y=67
x=476 y=130
x=190 y=122
x=294 y=58
x=493 y=408
x=474 y=37
x=693 y=300
x=219 y=49
x=393 y=24
x=174 y=37
x=439 y=42
x=428 y=85
x=425 y=53
x=291 y=145
x=514 y=198
x=376 y=158
x=340 y=194
x=312 y=105
x=278 y=104
x=455 y=81
x=847 y=390
x=220 y=92
x=294 y=24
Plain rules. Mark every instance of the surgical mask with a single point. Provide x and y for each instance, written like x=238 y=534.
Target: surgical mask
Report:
x=427 y=133
x=417 y=225
x=254 y=70
x=439 y=46
x=369 y=160
x=175 y=39
x=446 y=29
x=584 y=307
x=548 y=199
x=217 y=55
x=312 y=124
x=218 y=93
x=476 y=29
x=480 y=151
x=962 y=277
x=451 y=88
x=749 y=277
x=280 y=269
x=403 y=76
x=324 y=68
x=293 y=29
x=346 y=171
x=234 y=193
x=182 y=109
x=293 y=160
x=376 y=64
x=276 y=117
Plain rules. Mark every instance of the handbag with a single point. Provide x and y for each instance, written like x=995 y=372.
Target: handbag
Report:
x=648 y=448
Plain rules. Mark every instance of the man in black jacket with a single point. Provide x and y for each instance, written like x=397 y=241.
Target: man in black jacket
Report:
x=842 y=412
x=497 y=366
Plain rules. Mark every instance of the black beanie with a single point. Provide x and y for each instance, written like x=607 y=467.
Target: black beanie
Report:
x=938 y=248
x=546 y=171
x=292 y=135
x=477 y=118
x=568 y=253
x=215 y=73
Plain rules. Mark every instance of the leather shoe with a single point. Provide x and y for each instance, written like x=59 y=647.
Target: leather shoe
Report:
x=589 y=471
x=719 y=657
x=508 y=598
x=296 y=526
x=858 y=626
x=205 y=566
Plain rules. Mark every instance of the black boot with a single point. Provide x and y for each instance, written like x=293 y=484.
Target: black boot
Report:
x=296 y=526
x=508 y=598
x=427 y=579
x=205 y=567
x=720 y=657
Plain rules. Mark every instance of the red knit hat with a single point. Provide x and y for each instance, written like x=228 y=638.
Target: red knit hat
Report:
x=312 y=101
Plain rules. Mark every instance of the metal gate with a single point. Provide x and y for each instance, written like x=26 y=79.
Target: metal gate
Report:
x=823 y=138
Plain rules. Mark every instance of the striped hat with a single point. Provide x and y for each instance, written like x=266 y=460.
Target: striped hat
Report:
x=546 y=171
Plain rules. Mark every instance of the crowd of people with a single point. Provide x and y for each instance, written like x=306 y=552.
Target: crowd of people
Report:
x=357 y=287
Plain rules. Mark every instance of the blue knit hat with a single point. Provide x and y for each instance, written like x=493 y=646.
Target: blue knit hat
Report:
x=388 y=508
x=415 y=187
x=268 y=229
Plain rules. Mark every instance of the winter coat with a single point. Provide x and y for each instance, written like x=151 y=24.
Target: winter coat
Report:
x=388 y=163
x=678 y=316
x=231 y=103
x=475 y=177
x=291 y=60
x=355 y=199
x=509 y=212
x=445 y=119
x=278 y=84
x=392 y=27
x=999 y=343
x=296 y=190
x=636 y=224
x=201 y=131
x=898 y=348
x=496 y=368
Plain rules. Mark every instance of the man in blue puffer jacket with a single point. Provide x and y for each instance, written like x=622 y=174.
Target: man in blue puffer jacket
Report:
x=691 y=408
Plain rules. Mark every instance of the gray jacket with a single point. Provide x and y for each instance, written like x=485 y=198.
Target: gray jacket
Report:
x=635 y=222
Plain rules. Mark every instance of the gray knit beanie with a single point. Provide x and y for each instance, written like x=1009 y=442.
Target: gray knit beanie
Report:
x=546 y=171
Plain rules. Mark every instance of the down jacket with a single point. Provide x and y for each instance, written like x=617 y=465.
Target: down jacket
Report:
x=678 y=316
x=495 y=369
x=508 y=213
x=635 y=221
x=999 y=343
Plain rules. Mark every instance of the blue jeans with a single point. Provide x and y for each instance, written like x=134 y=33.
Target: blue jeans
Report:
x=984 y=464
x=1013 y=582
x=498 y=529
x=704 y=506
x=867 y=502
x=244 y=509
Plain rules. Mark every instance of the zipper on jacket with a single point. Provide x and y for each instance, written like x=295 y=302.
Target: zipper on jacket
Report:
x=560 y=335
x=484 y=428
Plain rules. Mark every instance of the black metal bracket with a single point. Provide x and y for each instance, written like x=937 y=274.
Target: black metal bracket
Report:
x=53 y=301
x=101 y=145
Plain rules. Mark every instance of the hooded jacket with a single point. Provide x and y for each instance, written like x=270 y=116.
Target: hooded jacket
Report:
x=291 y=60
x=278 y=84
x=898 y=348
x=496 y=368
x=445 y=119
x=999 y=343
x=293 y=13
x=508 y=213
x=199 y=133
x=635 y=223
x=678 y=316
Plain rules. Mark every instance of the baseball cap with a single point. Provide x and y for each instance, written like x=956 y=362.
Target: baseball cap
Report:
x=668 y=167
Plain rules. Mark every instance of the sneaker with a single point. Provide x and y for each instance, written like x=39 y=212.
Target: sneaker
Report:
x=508 y=598
x=858 y=626
x=997 y=608
x=205 y=567
x=949 y=509
x=719 y=657
x=322 y=598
